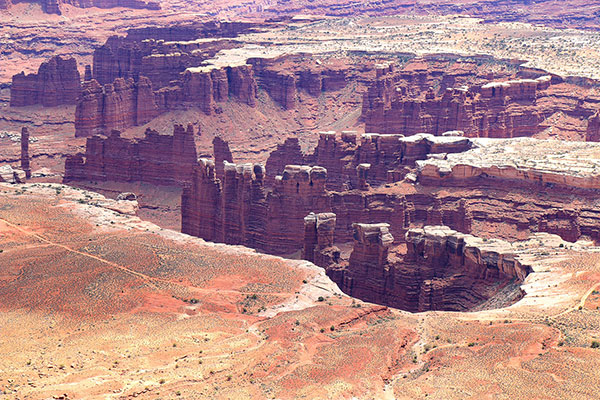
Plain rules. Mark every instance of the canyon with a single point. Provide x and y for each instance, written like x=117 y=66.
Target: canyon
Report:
x=323 y=199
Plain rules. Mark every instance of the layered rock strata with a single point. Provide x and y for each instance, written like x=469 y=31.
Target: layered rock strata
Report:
x=318 y=239
x=221 y=154
x=239 y=209
x=283 y=77
x=493 y=187
x=56 y=82
x=157 y=159
x=404 y=101
x=347 y=155
x=442 y=269
x=524 y=161
x=53 y=6
x=115 y=106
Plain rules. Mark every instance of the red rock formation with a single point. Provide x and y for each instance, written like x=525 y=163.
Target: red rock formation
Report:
x=362 y=171
x=371 y=244
x=128 y=102
x=56 y=82
x=318 y=239
x=341 y=155
x=53 y=6
x=220 y=84
x=403 y=102
x=239 y=209
x=88 y=73
x=242 y=84
x=229 y=210
x=288 y=152
x=221 y=154
x=442 y=269
x=282 y=77
x=281 y=86
x=157 y=159
x=25 y=152
x=577 y=14
x=198 y=88
x=592 y=133
x=115 y=106
x=117 y=58
x=512 y=209
x=162 y=53
x=5 y=4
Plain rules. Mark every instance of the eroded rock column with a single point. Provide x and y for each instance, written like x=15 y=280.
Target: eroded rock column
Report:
x=25 y=152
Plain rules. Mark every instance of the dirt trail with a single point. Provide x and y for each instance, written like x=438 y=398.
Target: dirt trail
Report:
x=146 y=278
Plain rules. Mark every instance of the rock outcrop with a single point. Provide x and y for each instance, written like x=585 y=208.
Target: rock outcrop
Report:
x=319 y=246
x=496 y=109
x=56 y=82
x=239 y=209
x=343 y=155
x=115 y=106
x=592 y=133
x=434 y=181
x=10 y=175
x=479 y=103
x=222 y=155
x=25 y=163
x=442 y=269
x=282 y=77
x=158 y=159
x=526 y=161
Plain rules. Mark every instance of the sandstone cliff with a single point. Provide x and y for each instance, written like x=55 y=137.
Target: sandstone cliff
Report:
x=283 y=77
x=342 y=154
x=239 y=209
x=442 y=269
x=115 y=106
x=478 y=103
x=56 y=82
x=53 y=6
x=157 y=159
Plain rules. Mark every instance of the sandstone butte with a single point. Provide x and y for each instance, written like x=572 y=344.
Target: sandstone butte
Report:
x=56 y=82
x=151 y=72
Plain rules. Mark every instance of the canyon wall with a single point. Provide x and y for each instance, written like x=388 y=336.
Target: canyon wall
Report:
x=429 y=181
x=181 y=67
x=283 y=77
x=404 y=101
x=56 y=82
x=115 y=106
x=441 y=270
x=239 y=209
x=157 y=159
x=381 y=158
x=25 y=158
